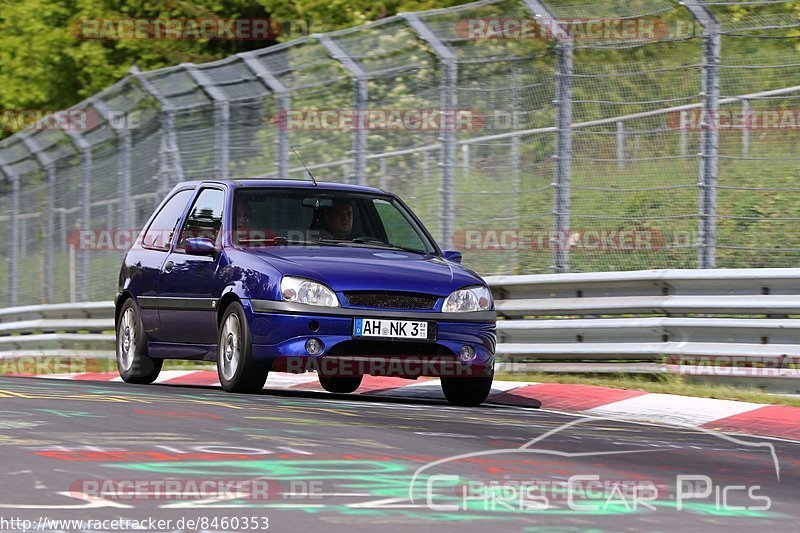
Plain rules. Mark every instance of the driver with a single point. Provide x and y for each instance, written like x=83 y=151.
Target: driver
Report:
x=338 y=220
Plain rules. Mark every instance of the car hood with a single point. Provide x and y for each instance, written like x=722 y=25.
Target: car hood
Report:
x=345 y=268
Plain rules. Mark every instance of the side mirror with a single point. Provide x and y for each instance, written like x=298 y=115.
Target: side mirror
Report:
x=200 y=246
x=452 y=255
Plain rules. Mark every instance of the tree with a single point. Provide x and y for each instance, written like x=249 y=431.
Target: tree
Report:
x=46 y=63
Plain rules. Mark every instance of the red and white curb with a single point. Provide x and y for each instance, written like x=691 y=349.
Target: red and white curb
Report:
x=721 y=415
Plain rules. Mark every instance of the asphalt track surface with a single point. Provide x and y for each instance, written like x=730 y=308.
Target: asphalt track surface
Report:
x=351 y=463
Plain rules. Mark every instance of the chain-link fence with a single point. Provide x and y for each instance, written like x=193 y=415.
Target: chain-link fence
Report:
x=533 y=136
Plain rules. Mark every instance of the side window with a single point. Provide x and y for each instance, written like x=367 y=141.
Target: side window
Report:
x=159 y=234
x=399 y=230
x=204 y=218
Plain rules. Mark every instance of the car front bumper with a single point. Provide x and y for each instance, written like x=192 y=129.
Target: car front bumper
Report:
x=280 y=331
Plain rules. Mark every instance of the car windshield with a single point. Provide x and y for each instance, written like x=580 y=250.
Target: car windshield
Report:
x=274 y=217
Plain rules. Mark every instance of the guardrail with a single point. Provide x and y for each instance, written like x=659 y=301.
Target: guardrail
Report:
x=592 y=322
x=76 y=329
x=711 y=324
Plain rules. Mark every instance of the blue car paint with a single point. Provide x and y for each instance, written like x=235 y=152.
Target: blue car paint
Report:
x=181 y=310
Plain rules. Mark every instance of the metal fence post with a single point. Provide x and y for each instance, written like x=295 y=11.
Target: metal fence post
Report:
x=222 y=140
x=166 y=166
x=360 y=147
x=711 y=146
x=125 y=148
x=448 y=104
x=46 y=163
x=516 y=159
x=620 y=144
x=222 y=115
x=171 y=164
x=449 y=97
x=86 y=222
x=127 y=207
x=746 y=127
x=563 y=156
x=709 y=136
x=13 y=252
x=13 y=256
x=383 y=178
x=425 y=171
x=283 y=106
x=49 y=236
x=684 y=134
x=85 y=150
x=360 y=101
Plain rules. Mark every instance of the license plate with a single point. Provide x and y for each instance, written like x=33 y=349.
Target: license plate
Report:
x=398 y=329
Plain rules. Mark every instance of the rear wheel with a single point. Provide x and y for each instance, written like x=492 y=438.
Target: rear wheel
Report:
x=133 y=362
x=237 y=370
x=343 y=385
x=467 y=391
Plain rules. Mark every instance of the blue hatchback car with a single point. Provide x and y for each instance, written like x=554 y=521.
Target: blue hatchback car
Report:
x=296 y=276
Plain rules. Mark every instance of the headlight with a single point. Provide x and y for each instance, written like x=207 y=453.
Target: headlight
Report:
x=469 y=299
x=305 y=291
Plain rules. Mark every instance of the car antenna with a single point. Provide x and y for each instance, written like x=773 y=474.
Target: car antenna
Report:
x=310 y=175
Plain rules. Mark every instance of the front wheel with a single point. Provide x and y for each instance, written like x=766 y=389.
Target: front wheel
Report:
x=133 y=362
x=342 y=385
x=237 y=370
x=467 y=391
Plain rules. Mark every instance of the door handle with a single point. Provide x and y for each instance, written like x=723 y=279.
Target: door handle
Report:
x=168 y=267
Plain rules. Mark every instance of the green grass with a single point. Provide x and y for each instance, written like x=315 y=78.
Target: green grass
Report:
x=755 y=198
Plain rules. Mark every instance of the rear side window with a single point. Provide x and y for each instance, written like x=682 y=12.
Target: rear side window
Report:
x=205 y=217
x=159 y=234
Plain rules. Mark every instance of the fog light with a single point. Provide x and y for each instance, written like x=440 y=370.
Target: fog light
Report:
x=313 y=346
x=466 y=354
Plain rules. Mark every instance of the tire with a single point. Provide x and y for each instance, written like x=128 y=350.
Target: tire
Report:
x=469 y=391
x=133 y=362
x=342 y=385
x=237 y=370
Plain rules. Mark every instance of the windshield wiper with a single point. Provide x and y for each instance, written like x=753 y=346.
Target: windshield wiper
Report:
x=373 y=242
x=278 y=241
x=337 y=242
x=378 y=242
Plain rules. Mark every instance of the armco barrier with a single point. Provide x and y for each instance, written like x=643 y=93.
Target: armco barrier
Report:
x=646 y=315
x=79 y=329
x=729 y=326
x=592 y=322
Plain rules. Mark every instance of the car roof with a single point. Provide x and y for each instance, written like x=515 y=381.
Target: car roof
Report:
x=291 y=184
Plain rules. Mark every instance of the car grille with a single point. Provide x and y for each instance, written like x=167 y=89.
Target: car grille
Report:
x=391 y=300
